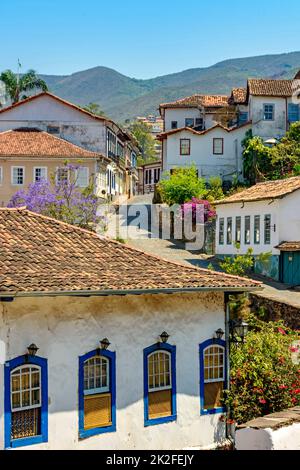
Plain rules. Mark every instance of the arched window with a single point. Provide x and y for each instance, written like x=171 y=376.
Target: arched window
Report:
x=159 y=384
x=96 y=393
x=26 y=402
x=212 y=376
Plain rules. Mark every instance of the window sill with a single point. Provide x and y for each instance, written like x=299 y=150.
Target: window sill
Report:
x=84 y=434
x=156 y=421
x=27 y=441
x=213 y=411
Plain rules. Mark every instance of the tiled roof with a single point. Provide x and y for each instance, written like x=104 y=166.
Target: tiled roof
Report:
x=42 y=255
x=267 y=190
x=36 y=143
x=239 y=95
x=289 y=246
x=198 y=100
x=268 y=87
x=164 y=135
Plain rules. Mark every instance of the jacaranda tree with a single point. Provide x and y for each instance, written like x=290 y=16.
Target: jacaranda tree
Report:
x=61 y=198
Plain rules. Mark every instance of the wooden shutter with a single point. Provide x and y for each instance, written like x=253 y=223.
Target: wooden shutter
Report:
x=212 y=395
x=160 y=404
x=97 y=411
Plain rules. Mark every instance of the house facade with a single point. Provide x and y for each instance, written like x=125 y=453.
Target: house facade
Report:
x=28 y=155
x=67 y=121
x=267 y=107
x=102 y=354
x=216 y=151
x=266 y=219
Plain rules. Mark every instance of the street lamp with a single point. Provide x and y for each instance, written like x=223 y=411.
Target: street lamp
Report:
x=219 y=333
x=238 y=330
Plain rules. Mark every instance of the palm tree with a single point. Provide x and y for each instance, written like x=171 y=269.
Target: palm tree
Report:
x=15 y=85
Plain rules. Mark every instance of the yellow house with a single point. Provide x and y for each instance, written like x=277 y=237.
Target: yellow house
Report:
x=28 y=155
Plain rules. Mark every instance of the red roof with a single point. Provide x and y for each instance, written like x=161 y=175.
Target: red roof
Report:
x=35 y=143
x=43 y=255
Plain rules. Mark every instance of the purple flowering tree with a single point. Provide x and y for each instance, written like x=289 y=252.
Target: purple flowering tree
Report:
x=61 y=198
x=200 y=209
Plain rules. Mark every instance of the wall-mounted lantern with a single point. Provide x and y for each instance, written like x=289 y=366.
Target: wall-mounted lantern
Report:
x=164 y=337
x=104 y=343
x=32 y=349
x=219 y=333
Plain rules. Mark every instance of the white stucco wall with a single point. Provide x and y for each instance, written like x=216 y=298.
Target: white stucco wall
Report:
x=251 y=209
x=76 y=127
x=65 y=328
x=208 y=164
x=286 y=438
x=179 y=115
x=284 y=214
x=268 y=129
x=289 y=217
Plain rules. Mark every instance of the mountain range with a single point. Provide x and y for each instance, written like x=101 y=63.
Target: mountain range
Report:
x=122 y=97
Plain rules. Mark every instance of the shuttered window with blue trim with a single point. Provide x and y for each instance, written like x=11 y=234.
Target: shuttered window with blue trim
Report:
x=293 y=112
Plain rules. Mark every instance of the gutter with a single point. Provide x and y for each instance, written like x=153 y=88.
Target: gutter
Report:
x=105 y=293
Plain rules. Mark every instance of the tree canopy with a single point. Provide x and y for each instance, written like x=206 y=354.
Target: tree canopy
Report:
x=16 y=86
x=141 y=131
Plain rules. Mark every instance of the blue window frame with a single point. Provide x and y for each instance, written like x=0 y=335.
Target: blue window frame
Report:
x=243 y=117
x=26 y=401
x=103 y=388
x=160 y=381
x=293 y=112
x=213 y=373
x=269 y=112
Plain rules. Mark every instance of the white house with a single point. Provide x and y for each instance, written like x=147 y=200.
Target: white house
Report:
x=265 y=218
x=267 y=107
x=67 y=121
x=216 y=151
x=155 y=383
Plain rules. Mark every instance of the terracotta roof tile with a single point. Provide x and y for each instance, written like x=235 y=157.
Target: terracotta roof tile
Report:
x=164 y=135
x=267 y=190
x=239 y=95
x=268 y=87
x=198 y=100
x=40 y=254
x=36 y=143
x=289 y=246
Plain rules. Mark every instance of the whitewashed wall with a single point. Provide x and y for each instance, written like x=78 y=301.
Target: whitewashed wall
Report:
x=65 y=328
x=179 y=115
x=202 y=156
x=76 y=127
x=285 y=438
x=284 y=214
x=251 y=209
x=268 y=129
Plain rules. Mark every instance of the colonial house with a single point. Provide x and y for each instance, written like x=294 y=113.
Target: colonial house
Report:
x=266 y=219
x=271 y=104
x=28 y=155
x=106 y=347
x=200 y=127
x=216 y=151
x=99 y=134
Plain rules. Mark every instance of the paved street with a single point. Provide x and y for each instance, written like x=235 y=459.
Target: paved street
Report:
x=175 y=251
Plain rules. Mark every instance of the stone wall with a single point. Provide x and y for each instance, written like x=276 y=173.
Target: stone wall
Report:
x=275 y=310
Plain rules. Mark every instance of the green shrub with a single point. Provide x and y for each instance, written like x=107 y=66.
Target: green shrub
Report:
x=181 y=186
x=263 y=377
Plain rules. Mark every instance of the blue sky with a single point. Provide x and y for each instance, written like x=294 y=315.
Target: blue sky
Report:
x=142 y=39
